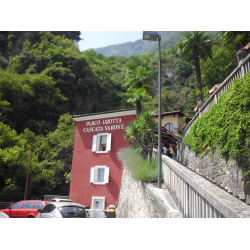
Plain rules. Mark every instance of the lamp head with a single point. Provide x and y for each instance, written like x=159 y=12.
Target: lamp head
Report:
x=150 y=35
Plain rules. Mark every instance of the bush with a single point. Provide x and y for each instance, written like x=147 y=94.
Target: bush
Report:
x=226 y=126
x=140 y=169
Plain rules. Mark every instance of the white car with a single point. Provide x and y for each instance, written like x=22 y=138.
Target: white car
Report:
x=3 y=215
x=61 y=200
x=62 y=210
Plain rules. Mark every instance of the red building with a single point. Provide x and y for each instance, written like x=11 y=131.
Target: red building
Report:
x=96 y=171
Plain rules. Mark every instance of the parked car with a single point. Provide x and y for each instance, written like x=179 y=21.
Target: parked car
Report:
x=4 y=215
x=25 y=209
x=62 y=210
x=61 y=200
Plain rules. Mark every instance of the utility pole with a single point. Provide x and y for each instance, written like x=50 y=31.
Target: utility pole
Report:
x=26 y=188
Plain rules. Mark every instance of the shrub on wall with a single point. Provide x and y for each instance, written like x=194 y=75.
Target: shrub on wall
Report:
x=140 y=168
x=226 y=126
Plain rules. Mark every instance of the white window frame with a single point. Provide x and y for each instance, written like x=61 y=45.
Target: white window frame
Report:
x=96 y=142
x=94 y=175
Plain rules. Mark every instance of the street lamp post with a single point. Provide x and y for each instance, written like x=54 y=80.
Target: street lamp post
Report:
x=153 y=36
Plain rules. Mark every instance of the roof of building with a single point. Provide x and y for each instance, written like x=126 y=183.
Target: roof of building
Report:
x=104 y=112
x=170 y=113
x=247 y=46
x=168 y=137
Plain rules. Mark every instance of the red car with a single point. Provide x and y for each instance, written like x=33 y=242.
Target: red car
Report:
x=25 y=209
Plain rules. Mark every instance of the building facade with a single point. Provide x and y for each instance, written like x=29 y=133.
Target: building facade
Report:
x=96 y=171
x=173 y=121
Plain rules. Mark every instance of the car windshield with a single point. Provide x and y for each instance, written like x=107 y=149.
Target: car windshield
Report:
x=72 y=212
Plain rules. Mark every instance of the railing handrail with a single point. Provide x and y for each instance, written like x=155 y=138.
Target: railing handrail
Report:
x=226 y=204
x=217 y=91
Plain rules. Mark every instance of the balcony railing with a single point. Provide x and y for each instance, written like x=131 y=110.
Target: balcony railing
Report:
x=240 y=71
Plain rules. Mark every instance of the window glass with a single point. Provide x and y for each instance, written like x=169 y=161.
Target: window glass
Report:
x=16 y=206
x=27 y=205
x=103 y=143
x=101 y=174
x=52 y=207
x=170 y=127
x=45 y=210
x=38 y=205
x=72 y=212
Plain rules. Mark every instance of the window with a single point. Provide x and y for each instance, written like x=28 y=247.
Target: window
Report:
x=51 y=208
x=169 y=127
x=16 y=206
x=27 y=205
x=38 y=206
x=72 y=212
x=46 y=209
x=101 y=143
x=99 y=175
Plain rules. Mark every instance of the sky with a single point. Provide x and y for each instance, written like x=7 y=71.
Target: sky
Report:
x=98 y=39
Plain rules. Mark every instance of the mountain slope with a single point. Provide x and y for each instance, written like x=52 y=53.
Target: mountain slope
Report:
x=138 y=47
x=168 y=39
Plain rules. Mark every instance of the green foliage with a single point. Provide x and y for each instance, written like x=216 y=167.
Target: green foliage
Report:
x=196 y=46
x=182 y=69
x=138 y=78
x=50 y=162
x=43 y=75
x=140 y=168
x=234 y=39
x=140 y=133
x=226 y=126
x=217 y=70
x=34 y=102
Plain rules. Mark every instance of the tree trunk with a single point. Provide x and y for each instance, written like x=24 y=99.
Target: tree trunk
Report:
x=138 y=101
x=138 y=107
x=236 y=46
x=198 y=71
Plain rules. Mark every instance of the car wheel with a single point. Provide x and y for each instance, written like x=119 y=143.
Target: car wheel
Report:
x=31 y=216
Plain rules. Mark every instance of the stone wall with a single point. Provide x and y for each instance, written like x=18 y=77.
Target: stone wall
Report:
x=215 y=169
x=144 y=200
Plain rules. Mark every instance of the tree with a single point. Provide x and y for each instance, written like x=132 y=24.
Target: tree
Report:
x=50 y=162
x=236 y=39
x=138 y=77
x=197 y=46
x=216 y=71
x=140 y=133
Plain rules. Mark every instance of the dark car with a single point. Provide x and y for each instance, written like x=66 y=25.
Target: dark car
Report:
x=25 y=209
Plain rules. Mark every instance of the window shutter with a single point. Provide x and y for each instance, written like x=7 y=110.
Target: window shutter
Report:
x=94 y=143
x=92 y=175
x=106 y=178
x=109 y=142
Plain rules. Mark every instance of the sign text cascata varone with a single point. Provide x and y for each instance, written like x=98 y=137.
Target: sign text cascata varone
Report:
x=114 y=124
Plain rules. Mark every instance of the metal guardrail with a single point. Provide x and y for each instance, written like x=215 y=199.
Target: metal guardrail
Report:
x=240 y=71
x=4 y=205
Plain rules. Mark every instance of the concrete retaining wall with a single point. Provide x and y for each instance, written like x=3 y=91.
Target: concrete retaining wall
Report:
x=144 y=200
x=216 y=170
